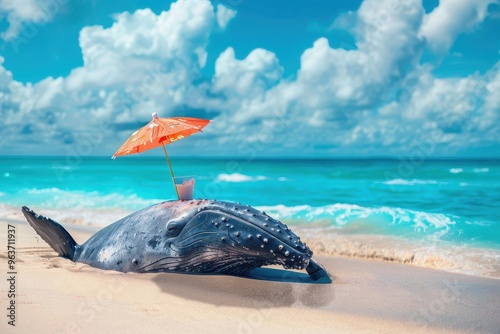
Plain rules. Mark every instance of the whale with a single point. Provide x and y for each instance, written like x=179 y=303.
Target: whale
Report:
x=197 y=237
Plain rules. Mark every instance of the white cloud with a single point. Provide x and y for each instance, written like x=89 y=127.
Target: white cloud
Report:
x=333 y=88
x=175 y=40
x=224 y=15
x=450 y=112
x=442 y=26
x=357 y=79
x=144 y=61
x=13 y=97
x=19 y=12
x=247 y=78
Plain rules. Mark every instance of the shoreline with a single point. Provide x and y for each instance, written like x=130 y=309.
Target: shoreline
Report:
x=470 y=261
x=365 y=296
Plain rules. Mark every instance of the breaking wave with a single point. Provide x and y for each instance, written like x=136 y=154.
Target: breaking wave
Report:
x=58 y=199
x=403 y=182
x=481 y=170
x=352 y=218
x=237 y=177
x=456 y=170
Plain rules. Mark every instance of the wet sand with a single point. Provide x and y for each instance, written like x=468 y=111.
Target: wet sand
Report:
x=55 y=295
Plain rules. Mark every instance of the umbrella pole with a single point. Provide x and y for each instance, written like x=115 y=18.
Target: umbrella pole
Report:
x=171 y=171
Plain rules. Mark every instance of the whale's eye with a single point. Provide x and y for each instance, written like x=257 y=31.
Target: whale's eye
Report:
x=174 y=228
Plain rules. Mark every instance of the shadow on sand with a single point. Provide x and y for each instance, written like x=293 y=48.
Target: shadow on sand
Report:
x=260 y=288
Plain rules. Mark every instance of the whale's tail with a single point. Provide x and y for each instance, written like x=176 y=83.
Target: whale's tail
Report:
x=53 y=233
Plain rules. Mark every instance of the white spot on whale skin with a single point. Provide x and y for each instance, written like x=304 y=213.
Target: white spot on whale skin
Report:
x=104 y=254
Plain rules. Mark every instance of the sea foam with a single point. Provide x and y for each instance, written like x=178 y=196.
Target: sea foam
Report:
x=58 y=198
x=366 y=219
x=442 y=256
x=403 y=182
x=237 y=177
x=456 y=170
x=481 y=170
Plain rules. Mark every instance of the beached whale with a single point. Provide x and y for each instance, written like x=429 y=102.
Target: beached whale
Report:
x=198 y=236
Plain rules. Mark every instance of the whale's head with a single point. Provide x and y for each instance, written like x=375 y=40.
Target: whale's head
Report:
x=221 y=237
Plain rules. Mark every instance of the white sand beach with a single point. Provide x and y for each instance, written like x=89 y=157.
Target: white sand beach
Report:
x=55 y=295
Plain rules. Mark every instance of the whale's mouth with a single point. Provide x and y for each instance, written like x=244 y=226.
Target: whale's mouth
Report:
x=209 y=258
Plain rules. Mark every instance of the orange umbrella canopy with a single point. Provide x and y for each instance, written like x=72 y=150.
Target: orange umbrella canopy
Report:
x=160 y=131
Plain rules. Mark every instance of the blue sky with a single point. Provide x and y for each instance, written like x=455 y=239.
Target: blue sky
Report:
x=406 y=79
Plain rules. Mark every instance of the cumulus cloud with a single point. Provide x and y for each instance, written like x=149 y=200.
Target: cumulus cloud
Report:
x=360 y=78
x=442 y=26
x=176 y=39
x=248 y=78
x=224 y=15
x=448 y=114
x=334 y=88
x=19 y=12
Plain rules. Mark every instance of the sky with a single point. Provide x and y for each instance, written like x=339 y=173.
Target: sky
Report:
x=375 y=78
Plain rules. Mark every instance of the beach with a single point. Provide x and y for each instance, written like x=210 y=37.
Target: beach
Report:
x=55 y=295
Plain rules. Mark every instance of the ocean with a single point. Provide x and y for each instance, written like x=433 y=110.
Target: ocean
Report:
x=445 y=209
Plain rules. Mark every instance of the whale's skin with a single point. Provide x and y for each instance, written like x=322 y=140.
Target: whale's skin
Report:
x=198 y=236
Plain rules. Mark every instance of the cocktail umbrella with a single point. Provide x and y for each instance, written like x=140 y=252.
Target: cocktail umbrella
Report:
x=161 y=131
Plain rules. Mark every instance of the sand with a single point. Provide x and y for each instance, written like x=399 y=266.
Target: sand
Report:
x=55 y=295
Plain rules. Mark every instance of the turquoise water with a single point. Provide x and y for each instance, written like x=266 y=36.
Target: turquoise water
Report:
x=453 y=201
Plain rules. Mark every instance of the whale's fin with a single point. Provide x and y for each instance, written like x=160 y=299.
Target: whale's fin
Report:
x=53 y=233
